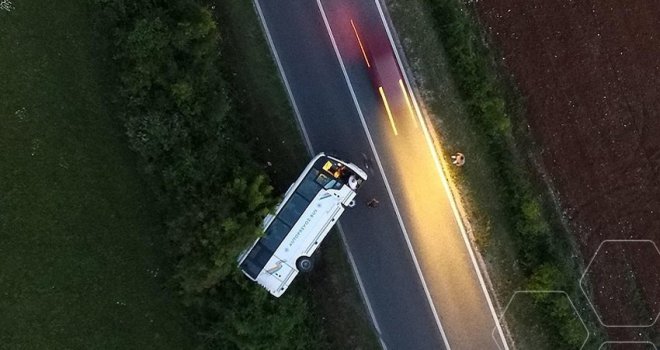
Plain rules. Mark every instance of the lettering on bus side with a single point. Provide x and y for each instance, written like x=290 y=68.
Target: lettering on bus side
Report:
x=302 y=228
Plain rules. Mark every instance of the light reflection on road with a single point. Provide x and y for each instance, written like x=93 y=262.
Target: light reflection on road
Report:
x=420 y=188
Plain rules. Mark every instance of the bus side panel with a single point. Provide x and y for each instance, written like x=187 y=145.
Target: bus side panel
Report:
x=287 y=280
x=306 y=245
x=277 y=275
x=308 y=251
x=323 y=231
x=319 y=216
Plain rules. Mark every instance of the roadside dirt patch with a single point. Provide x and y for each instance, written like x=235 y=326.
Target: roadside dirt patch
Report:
x=590 y=73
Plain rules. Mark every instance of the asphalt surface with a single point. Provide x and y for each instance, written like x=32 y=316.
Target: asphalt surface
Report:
x=416 y=203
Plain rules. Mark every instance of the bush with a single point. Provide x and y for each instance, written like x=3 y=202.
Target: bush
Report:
x=180 y=121
x=565 y=321
x=248 y=318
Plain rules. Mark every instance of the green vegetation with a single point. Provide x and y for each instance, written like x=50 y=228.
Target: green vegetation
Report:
x=191 y=95
x=517 y=226
x=179 y=119
x=259 y=97
x=80 y=253
x=83 y=237
x=342 y=311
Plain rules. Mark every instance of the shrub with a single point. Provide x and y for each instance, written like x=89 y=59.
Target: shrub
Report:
x=179 y=120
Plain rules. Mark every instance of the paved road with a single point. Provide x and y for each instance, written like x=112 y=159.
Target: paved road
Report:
x=412 y=260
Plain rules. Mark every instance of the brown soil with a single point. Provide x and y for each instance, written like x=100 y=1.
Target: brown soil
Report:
x=590 y=73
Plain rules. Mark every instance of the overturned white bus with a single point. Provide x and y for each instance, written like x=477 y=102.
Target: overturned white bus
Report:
x=310 y=208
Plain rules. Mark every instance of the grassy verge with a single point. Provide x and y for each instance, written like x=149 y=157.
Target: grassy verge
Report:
x=515 y=222
x=261 y=101
x=81 y=248
x=254 y=84
x=340 y=307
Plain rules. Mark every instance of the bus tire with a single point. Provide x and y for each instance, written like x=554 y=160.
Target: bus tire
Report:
x=351 y=204
x=305 y=264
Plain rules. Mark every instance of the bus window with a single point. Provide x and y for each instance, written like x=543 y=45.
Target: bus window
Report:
x=293 y=209
x=308 y=187
x=257 y=259
x=275 y=234
x=331 y=184
x=323 y=179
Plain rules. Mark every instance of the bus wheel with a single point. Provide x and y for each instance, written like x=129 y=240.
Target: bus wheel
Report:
x=351 y=204
x=305 y=264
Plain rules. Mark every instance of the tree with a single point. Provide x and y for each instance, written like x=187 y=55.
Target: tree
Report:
x=212 y=235
x=250 y=318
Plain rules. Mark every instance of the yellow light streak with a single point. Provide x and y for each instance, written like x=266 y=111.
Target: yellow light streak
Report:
x=410 y=108
x=364 y=53
x=435 y=148
x=387 y=108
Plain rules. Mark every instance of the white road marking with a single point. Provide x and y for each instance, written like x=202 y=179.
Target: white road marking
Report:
x=311 y=150
x=382 y=171
x=452 y=200
x=450 y=195
x=271 y=44
x=360 y=284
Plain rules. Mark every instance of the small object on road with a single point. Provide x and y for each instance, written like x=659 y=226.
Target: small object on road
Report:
x=458 y=159
x=365 y=161
x=373 y=203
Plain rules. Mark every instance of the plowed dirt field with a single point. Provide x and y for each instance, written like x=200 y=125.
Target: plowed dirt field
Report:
x=589 y=71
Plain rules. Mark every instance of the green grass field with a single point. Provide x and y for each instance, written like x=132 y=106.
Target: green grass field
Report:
x=81 y=248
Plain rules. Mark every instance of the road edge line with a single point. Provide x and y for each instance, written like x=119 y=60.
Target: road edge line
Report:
x=308 y=143
x=454 y=206
x=360 y=284
x=273 y=51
